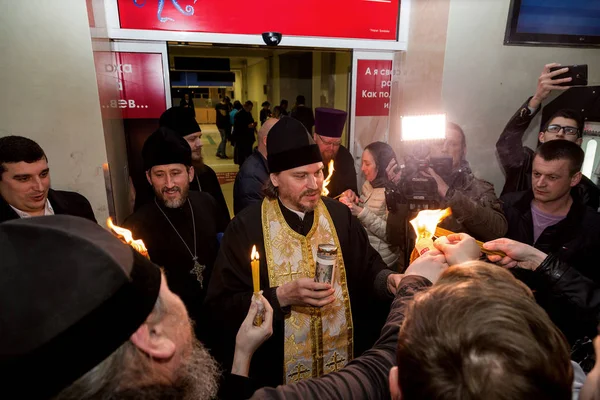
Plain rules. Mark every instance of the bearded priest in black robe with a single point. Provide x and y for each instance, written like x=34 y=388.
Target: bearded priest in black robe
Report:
x=178 y=226
x=329 y=126
x=317 y=327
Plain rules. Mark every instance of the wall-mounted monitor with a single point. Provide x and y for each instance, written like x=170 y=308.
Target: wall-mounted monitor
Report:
x=554 y=23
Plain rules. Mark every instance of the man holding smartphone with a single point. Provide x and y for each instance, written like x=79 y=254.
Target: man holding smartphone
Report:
x=565 y=124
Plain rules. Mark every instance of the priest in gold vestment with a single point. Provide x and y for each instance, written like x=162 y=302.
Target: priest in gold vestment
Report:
x=317 y=327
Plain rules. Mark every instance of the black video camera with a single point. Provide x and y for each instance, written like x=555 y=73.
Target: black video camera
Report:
x=416 y=188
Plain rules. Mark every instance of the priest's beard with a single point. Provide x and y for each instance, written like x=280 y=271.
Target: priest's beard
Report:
x=199 y=375
x=175 y=202
x=196 y=379
x=328 y=155
x=197 y=158
x=302 y=202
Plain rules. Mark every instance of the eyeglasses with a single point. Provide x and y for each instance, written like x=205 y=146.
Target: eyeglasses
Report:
x=568 y=130
x=327 y=143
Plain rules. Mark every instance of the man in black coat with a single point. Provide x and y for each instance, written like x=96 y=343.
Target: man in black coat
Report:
x=25 y=184
x=249 y=182
x=564 y=124
x=329 y=126
x=243 y=133
x=553 y=218
x=303 y=114
x=179 y=226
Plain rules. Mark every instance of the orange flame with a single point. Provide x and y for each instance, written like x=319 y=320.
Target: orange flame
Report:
x=325 y=191
x=126 y=236
x=254 y=255
x=426 y=222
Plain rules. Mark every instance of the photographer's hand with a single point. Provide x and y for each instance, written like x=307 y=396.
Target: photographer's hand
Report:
x=547 y=83
x=393 y=171
x=442 y=186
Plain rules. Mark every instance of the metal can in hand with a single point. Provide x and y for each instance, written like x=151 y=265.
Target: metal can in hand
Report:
x=326 y=263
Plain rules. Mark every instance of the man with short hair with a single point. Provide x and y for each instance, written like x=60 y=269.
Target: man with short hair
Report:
x=565 y=124
x=303 y=114
x=179 y=226
x=249 y=181
x=243 y=133
x=104 y=313
x=25 y=184
x=478 y=334
x=318 y=326
x=329 y=126
x=553 y=218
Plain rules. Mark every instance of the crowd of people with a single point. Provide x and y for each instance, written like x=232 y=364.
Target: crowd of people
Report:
x=236 y=123
x=512 y=318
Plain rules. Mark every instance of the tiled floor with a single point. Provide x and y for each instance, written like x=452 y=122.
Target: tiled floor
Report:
x=210 y=142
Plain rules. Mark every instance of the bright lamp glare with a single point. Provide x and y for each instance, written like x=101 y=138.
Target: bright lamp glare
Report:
x=424 y=127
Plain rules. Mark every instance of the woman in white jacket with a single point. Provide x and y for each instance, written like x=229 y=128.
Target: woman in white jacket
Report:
x=371 y=208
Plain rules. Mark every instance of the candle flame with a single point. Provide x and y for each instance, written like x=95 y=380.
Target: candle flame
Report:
x=127 y=237
x=426 y=222
x=254 y=255
x=327 y=180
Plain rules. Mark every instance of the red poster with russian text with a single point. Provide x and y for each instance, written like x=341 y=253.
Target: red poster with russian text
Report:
x=131 y=84
x=373 y=84
x=355 y=19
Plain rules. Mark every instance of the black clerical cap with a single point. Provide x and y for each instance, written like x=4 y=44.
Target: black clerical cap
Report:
x=330 y=122
x=165 y=147
x=70 y=295
x=289 y=145
x=181 y=120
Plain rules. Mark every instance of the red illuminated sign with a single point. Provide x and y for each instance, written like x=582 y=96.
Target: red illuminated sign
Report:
x=357 y=19
x=373 y=83
x=130 y=83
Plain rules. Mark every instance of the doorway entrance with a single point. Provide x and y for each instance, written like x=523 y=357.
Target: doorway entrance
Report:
x=206 y=74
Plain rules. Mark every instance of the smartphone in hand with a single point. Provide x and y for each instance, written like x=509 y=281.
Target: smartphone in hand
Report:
x=577 y=73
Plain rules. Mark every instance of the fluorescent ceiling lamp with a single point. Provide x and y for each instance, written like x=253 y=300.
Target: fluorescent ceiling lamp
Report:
x=424 y=127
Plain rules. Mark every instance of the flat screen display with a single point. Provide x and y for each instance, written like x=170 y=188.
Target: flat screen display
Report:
x=554 y=22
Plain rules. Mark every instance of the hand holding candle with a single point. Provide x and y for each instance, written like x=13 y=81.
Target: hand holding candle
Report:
x=424 y=225
x=255 y=264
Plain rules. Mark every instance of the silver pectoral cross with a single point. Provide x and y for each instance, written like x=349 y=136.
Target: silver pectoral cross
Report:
x=198 y=270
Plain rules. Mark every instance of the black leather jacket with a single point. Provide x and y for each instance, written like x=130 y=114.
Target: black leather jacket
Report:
x=568 y=284
x=575 y=306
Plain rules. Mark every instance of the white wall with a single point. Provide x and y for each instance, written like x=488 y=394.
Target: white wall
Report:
x=49 y=92
x=256 y=79
x=485 y=82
